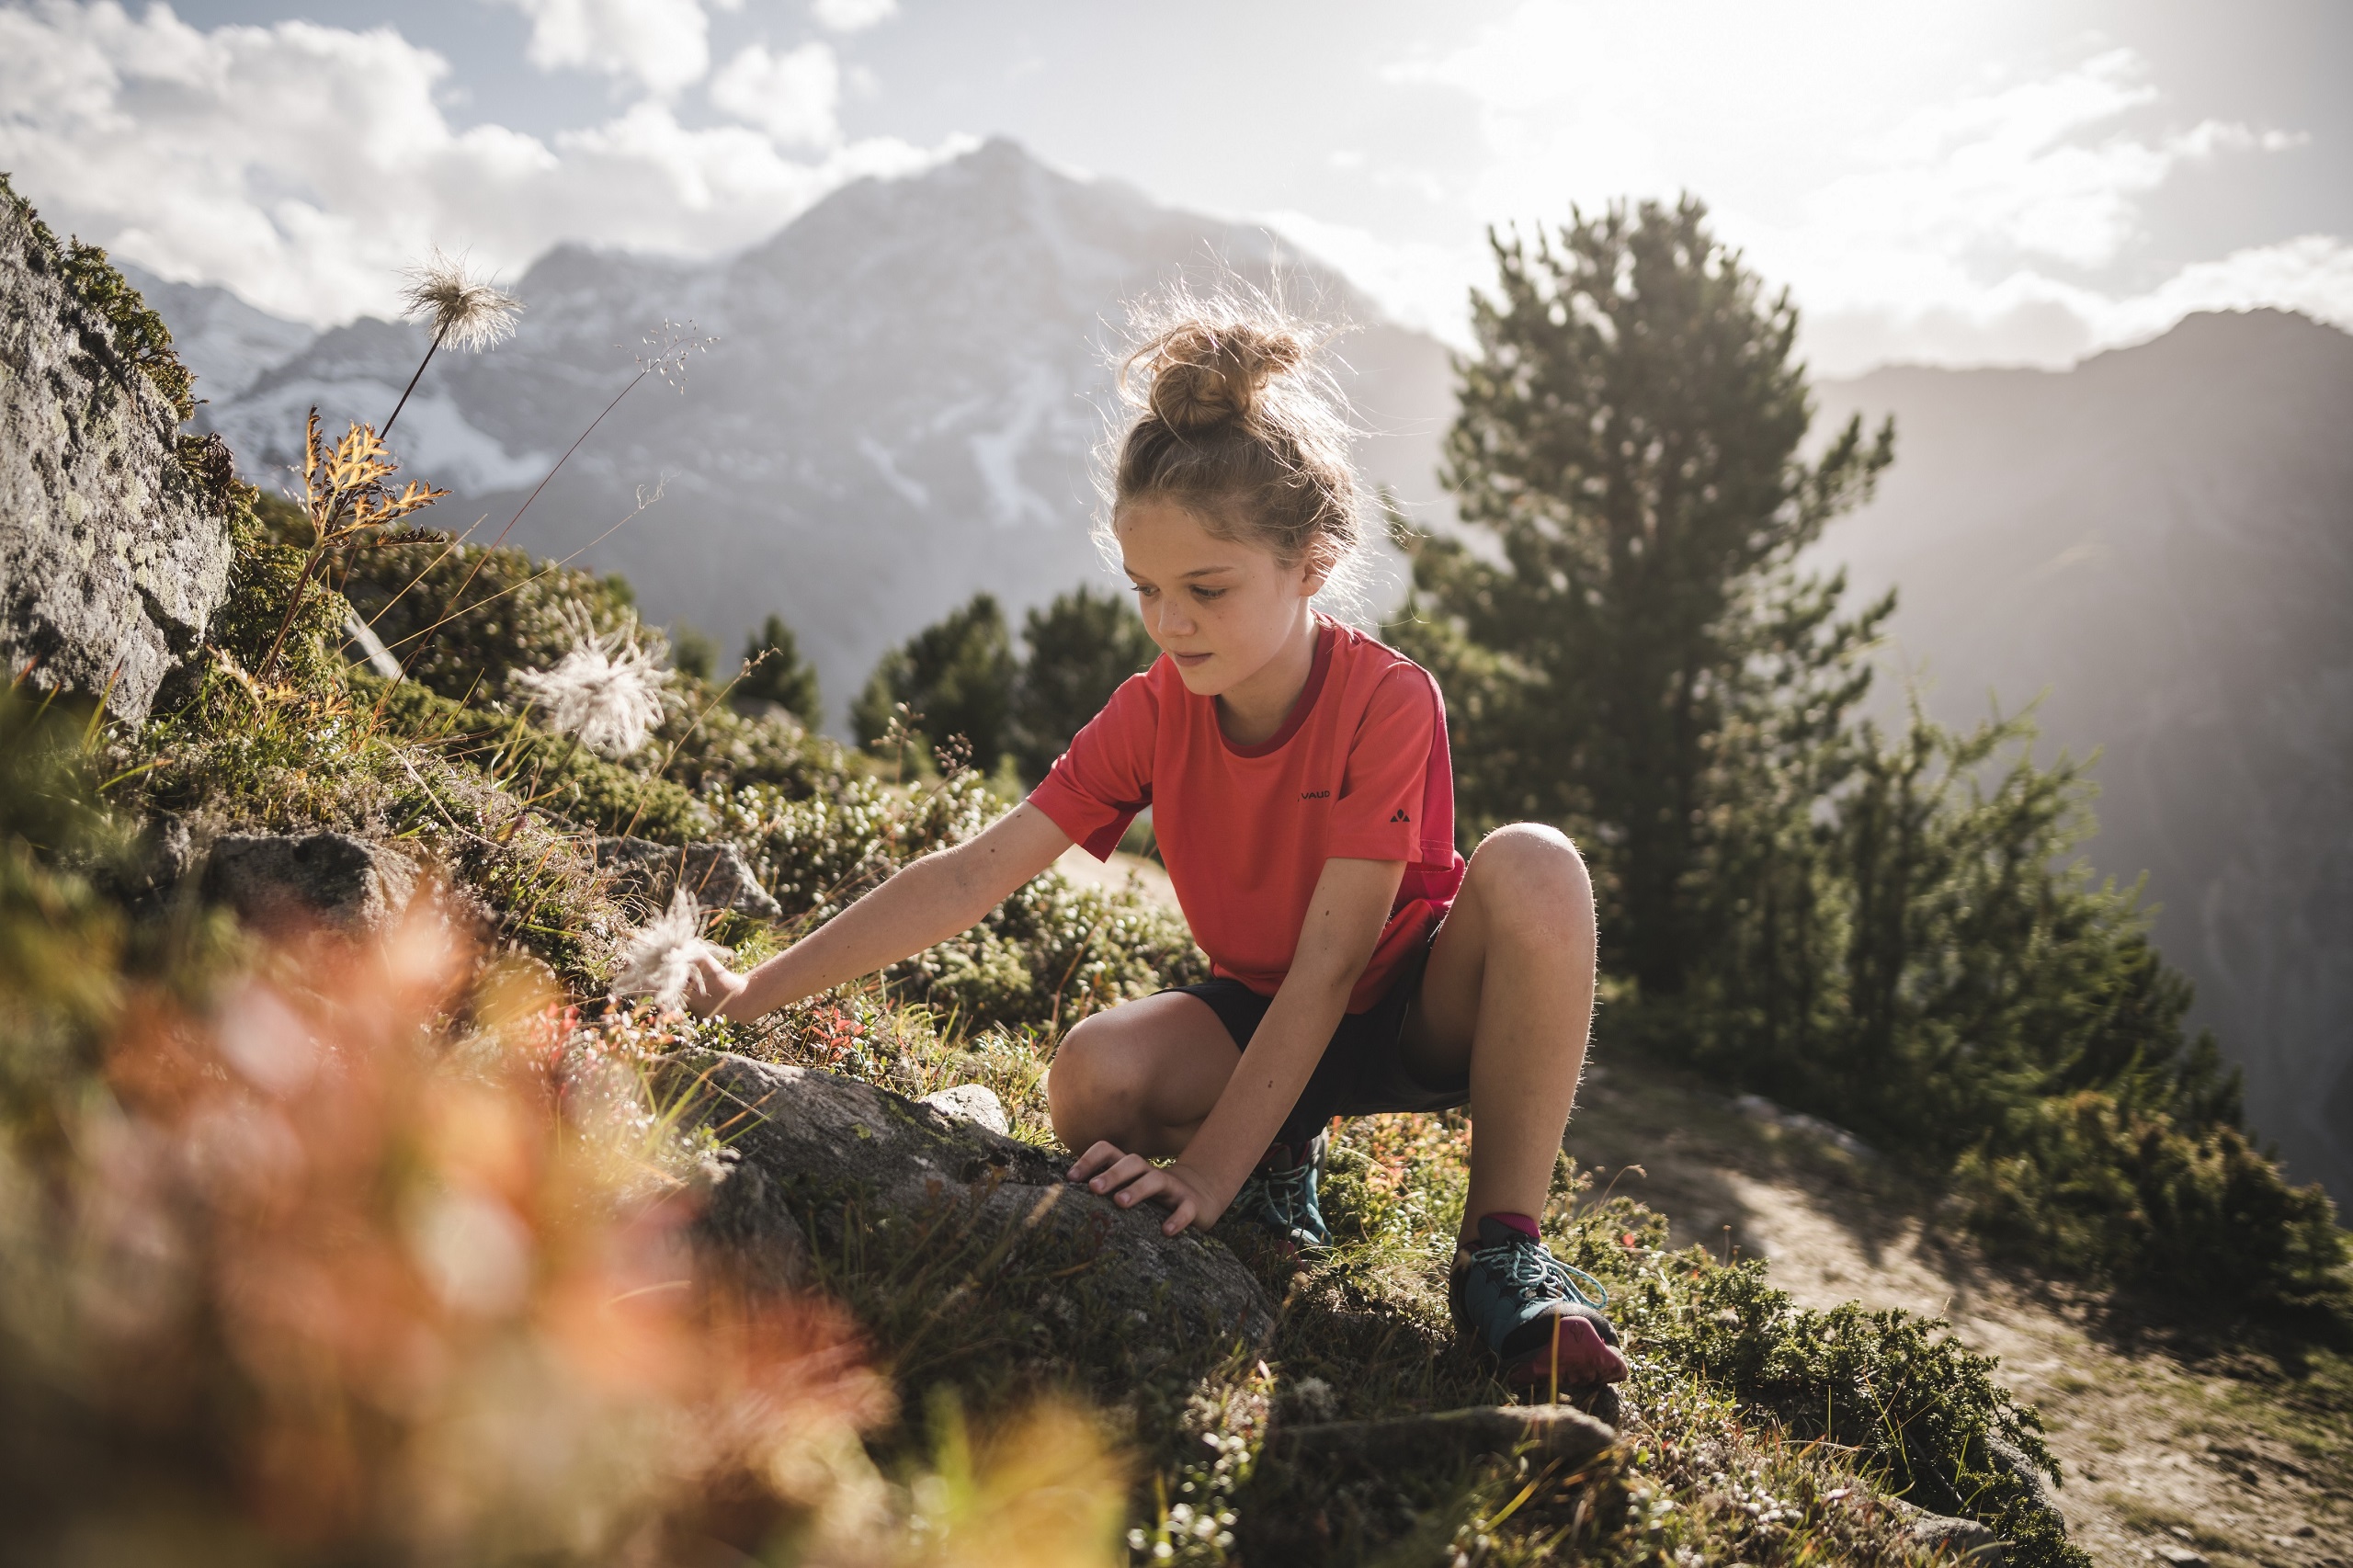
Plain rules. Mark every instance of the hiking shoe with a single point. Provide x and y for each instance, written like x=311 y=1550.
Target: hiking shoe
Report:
x=1527 y=1307
x=1280 y=1196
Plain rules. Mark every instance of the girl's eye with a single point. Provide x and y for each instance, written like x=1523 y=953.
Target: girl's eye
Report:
x=1142 y=592
x=1208 y=594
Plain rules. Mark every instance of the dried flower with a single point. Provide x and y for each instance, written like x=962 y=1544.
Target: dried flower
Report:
x=462 y=312
x=661 y=956
x=609 y=692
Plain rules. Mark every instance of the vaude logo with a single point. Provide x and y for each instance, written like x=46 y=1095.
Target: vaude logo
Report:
x=1315 y=794
x=1401 y=815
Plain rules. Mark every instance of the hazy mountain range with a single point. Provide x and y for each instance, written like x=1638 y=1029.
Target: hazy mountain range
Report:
x=910 y=380
x=2159 y=542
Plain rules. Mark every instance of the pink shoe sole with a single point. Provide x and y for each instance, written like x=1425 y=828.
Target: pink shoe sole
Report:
x=1579 y=1358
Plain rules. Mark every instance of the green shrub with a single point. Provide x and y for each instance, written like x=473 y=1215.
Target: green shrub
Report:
x=2135 y=1199
x=1052 y=952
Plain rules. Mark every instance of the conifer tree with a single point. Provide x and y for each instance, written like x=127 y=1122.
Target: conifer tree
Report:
x=1081 y=647
x=779 y=674
x=955 y=678
x=1629 y=433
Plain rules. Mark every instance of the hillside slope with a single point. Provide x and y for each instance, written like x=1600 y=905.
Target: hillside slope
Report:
x=2162 y=540
x=907 y=387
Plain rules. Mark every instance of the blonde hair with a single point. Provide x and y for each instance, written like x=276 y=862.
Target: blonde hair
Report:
x=1236 y=420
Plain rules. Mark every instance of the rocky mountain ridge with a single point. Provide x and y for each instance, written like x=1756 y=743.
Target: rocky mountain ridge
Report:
x=901 y=406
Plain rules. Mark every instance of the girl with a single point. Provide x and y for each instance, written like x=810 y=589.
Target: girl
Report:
x=1298 y=774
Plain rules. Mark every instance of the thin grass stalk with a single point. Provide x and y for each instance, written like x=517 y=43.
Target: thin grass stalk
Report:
x=450 y=610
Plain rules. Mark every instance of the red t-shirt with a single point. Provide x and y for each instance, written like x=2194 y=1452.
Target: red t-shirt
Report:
x=1359 y=770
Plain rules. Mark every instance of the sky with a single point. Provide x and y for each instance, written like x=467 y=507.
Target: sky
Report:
x=1994 y=182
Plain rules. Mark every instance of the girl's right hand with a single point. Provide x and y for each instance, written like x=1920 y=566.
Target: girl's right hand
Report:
x=711 y=987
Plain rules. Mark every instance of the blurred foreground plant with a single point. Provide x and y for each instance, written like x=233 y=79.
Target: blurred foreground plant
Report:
x=377 y=1257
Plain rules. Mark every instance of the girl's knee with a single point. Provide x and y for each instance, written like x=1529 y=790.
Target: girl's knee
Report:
x=1088 y=1086
x=1530 y=873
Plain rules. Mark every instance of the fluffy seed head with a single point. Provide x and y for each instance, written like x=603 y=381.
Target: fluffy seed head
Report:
x=661 y=956
x=608 y=691
x=462 y=312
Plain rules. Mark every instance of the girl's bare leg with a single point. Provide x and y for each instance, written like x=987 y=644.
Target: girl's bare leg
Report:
x=1508 y=995
x=1142 y=1075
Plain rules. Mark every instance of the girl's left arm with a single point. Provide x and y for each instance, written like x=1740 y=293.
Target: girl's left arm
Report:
x=1343 y=923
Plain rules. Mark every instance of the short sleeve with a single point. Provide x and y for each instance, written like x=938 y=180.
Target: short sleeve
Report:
x=1095 y=789
x=1378 y=815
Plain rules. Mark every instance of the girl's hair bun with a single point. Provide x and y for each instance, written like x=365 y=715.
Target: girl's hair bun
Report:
x=1238 y=419
x=1207 y=373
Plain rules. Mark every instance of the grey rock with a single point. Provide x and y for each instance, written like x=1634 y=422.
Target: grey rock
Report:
x=975 y=1103
x=867 y=1169
x=113 y=553
x=2014 y=1461
x=1757 y=1107
x=2181 y=1557
x=285 y=883
x=1959 y=1540
x=1547 y=1432
x=714 y=873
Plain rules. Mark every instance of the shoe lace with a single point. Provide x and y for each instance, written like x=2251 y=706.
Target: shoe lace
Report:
x=1288 y=1195
x=1532 y=1272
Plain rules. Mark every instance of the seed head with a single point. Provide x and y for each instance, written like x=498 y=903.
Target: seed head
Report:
x=608 y=691
x=463 y=313
x=661 y=956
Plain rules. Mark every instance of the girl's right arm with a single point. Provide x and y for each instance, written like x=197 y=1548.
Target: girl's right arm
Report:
x=925 y=902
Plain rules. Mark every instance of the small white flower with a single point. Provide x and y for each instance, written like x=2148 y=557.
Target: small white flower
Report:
x=461 y=312
x=607 y=690
x=661 y=956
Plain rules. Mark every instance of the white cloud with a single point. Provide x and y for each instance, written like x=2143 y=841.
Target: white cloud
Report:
x=1920 y=202
x=1418 y=285
x=853 y=15
x=665 y=44
x=791 y=95
x=2013 y=170
x=303 y=166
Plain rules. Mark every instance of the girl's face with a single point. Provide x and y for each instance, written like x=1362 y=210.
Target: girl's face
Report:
x=1220 y=608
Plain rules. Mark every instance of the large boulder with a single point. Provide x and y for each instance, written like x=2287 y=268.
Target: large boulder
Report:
x=114 y=551
x=844 y=1168
x=288 y=884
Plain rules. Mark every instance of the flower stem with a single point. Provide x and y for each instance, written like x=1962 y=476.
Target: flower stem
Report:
x=429 y=349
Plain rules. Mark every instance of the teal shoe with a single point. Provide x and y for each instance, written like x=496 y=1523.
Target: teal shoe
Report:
x=1280 y=1196
x=1528 y=1308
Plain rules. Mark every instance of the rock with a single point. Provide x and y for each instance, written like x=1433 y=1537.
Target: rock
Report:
x=114 y=551
x=1960 y=1540
x=714 y=873
x=1757 y=1107
x=975 y=1103
x=866 y=1168
x=1409 y=1443
x=283 y=883
x=2181 y=1556
x=2012 y=1460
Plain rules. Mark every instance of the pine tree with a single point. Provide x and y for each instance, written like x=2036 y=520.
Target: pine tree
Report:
x=955 y=678
x=778 y=673
x=1629 y=432
x=1081 y=647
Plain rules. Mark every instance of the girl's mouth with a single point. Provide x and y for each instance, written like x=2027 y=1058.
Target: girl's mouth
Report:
x=1190 y=661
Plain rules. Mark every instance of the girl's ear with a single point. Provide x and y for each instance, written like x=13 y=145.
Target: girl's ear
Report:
x=1312 y=581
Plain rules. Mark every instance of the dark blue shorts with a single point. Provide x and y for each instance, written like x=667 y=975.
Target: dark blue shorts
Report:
x=1363 y=1071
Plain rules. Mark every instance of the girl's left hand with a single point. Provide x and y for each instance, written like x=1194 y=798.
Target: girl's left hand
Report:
x=1129 y=1180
